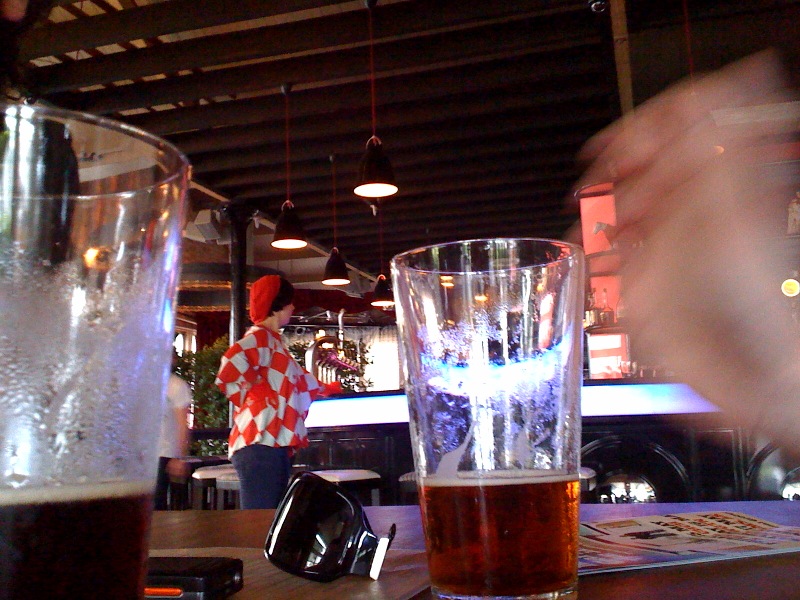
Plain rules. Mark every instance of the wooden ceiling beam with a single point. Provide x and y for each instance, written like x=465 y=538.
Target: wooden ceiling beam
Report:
x=429 y=123
x=421 y=204
x=409 y=165
x=320 y=212
x=318 y=151
x=358 y=235
x=322 y=70
x=433 y=185
x=271 y=166
x=541 y=131
x=426 y=86
x=365 y=251
x=316 y=35
x=408 y=219
x=153 y=20
x=408 y=230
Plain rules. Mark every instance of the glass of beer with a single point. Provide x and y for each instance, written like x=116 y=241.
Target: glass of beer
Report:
x=491 y=338
x=91 y=213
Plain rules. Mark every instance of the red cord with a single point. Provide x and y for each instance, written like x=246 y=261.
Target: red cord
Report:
x=372 y=72
x=288 y=168
x=333 y=178
x=687 y=32
x=380 y=237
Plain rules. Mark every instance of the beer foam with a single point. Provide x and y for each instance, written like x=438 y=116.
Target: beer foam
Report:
x=73 y=493
x=499 y=478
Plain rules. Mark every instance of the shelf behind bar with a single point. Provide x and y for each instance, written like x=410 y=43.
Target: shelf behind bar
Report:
x=598 y=400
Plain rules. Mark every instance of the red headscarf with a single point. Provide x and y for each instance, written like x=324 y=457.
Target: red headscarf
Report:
x=262 y=294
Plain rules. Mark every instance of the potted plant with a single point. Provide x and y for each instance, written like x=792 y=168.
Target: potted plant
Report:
x=209 y=404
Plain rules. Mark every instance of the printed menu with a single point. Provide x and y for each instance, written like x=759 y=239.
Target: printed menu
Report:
x=640 y=542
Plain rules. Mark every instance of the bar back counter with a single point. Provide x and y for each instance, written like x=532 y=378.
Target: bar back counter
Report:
x=646 y=441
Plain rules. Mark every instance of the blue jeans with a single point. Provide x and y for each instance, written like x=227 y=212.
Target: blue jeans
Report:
x=264 y=473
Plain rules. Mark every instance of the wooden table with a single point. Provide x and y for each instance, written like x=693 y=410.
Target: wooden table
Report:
x=242 y=533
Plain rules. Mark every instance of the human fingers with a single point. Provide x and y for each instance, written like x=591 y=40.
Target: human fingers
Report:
x=725 y=173
x=13 y=10
x=644 y=194
x=634 y=140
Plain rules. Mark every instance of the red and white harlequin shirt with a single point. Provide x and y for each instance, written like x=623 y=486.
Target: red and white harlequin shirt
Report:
x=270 y=392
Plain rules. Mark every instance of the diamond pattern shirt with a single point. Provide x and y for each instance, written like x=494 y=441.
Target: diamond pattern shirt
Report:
x=270 y=392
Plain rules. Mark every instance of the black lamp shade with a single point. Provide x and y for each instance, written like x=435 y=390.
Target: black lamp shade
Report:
x=382 y=295
x=336 y=270
x=375 y=173
x=289 y=234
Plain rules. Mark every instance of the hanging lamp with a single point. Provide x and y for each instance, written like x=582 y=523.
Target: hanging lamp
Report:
x=382 y=296
x=375 y=173
x=289 y=233
x=335 y=269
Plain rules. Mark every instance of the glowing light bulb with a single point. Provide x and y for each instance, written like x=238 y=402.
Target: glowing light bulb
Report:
x=790 y=287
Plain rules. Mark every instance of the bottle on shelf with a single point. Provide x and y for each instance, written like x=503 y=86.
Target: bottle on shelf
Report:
x=606 y=313
x=595 y=309
x=621 y=309
x=589 y=311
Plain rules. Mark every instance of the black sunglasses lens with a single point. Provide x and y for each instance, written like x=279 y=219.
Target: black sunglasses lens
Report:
x=312 y=530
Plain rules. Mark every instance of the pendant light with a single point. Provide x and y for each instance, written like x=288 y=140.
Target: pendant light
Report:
x=335 y=269
x=382 y=296
x=289 y=233
x=375 y=173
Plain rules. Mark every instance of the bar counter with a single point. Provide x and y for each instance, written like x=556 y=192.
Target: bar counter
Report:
x=241 y=534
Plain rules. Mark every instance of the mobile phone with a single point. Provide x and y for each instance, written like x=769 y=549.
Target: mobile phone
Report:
x=193 y=577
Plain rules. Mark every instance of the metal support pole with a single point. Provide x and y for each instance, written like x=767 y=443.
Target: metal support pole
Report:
x=240 y=220
x=239 y=217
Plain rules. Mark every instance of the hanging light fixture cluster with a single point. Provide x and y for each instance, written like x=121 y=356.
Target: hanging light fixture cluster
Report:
x=335 y=269
x=375 y=173
x=289 y=233
x=375 y=180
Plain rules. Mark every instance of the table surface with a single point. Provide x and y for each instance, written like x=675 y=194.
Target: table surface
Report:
x=241 y=533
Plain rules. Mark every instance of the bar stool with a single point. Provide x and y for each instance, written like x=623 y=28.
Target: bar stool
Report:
x=204 y=485
x=228 y=490
x=588 y=479
x=179 y=487
x=408 y=488
x=355 y=480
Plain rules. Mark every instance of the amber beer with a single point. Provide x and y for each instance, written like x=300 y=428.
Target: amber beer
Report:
x=501 y=537
x=75 y=542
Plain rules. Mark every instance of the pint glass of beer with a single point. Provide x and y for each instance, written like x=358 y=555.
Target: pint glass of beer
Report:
x=491 y=338
x=90 y=227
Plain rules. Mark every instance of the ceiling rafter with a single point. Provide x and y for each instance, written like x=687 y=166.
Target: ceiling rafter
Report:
x=333 y=68
x=481 y=106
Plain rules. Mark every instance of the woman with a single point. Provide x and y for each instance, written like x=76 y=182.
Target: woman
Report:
x=271 y=395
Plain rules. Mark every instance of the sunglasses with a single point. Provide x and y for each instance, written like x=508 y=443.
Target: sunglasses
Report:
x=321 y=532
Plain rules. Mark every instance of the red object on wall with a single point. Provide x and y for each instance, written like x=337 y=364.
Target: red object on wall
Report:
x=598 y=217
x=598 y=220
x=211 y=326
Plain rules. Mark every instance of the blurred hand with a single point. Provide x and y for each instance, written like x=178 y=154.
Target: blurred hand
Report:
x=13 y=10
x=701 y=277
x=177 y=468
